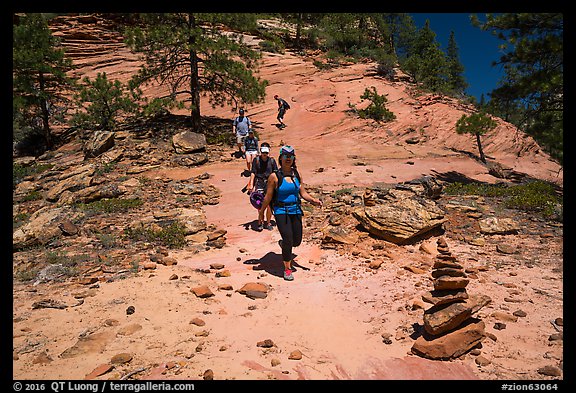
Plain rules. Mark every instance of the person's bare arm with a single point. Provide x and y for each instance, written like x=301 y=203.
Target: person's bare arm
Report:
x=307 y=197
x=250 y=185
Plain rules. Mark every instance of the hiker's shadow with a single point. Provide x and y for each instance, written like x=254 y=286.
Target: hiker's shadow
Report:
x=272 y=264
x=253 y=225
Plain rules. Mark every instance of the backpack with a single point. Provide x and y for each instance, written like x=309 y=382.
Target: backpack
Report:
x=285 y=104
x=261 y=176
x=280 y=177
x=251 y=144
x=244 y=119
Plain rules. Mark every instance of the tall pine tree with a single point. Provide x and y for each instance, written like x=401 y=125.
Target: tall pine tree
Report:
x=455 y=79
x=533 y=61
x=195 y=54
x=425 y=61
x=39 y=77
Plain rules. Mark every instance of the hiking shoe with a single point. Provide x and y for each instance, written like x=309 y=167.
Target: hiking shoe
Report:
x=268 y=226
x=288 y=275
x=260 y=228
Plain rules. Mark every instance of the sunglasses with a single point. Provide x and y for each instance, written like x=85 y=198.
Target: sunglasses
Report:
x=288 y=156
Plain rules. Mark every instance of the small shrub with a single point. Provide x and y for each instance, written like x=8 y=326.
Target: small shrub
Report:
x=107 y=240
x=26 y=275
x=19 y=172
x=101 y=102
x=322 y=66
x=171 y=236
x=536 y=196
x=32 y=196
x=376 y=109
x=533 y=196
x=273 y=45
x=105 y=168
x=113 y=205
x=220 y=138
x=69 y=263
x=19 y=219
x=342 y=191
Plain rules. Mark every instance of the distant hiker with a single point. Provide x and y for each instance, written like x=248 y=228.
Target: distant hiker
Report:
x=285 y=190
x=262 y=167
x=283 y=106
x=251 y=149
x=240 y=127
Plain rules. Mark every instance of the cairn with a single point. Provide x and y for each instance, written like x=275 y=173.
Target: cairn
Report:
x=449 y=328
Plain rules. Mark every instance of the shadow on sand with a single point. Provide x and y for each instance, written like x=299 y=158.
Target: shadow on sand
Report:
x=253 y=225
x=272 y=264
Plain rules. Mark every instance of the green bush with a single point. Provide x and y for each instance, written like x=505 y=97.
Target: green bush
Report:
x=101 y=102
x=32 y=196
x=19 y=219
x=376 y=109
x=171 y=236
x=105 y=168
x=19 y=172
x=274 y=45
x=113 y=205
x=535 y=196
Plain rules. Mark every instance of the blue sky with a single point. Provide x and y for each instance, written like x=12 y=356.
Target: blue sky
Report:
x=477 y=49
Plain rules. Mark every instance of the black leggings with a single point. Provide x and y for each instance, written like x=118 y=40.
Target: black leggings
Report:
x=290 y=227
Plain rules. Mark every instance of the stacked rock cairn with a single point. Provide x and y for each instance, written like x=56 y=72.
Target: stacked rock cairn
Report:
x=450 y=330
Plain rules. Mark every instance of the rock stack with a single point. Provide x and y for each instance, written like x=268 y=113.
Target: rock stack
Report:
x=449 y=328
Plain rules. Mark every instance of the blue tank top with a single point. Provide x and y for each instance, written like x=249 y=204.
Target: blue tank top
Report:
x=288 y=198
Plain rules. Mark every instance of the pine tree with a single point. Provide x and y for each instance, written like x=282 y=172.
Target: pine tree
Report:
x=476 y=124
x=396 y=27
x=39 y=77
x=533 y=61
x=425 y=61
x=343 y=32
x=101 y=102
x=455 y=70
x=192 y=55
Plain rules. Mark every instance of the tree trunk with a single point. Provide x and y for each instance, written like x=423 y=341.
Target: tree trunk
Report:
x=194 y=79
x=45 y=114
x=482 y=157
x=298 y=30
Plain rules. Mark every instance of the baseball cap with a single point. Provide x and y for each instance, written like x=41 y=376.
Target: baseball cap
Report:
x=287 y=150
x=241 y=111
x=265 y=149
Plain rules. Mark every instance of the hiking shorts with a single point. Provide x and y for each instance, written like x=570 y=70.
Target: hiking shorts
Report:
x=240 y=139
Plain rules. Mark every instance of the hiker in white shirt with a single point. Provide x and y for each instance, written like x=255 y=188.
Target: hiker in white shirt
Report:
x=240 y=127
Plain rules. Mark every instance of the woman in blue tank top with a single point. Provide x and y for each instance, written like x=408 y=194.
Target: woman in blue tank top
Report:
x=286 y=188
